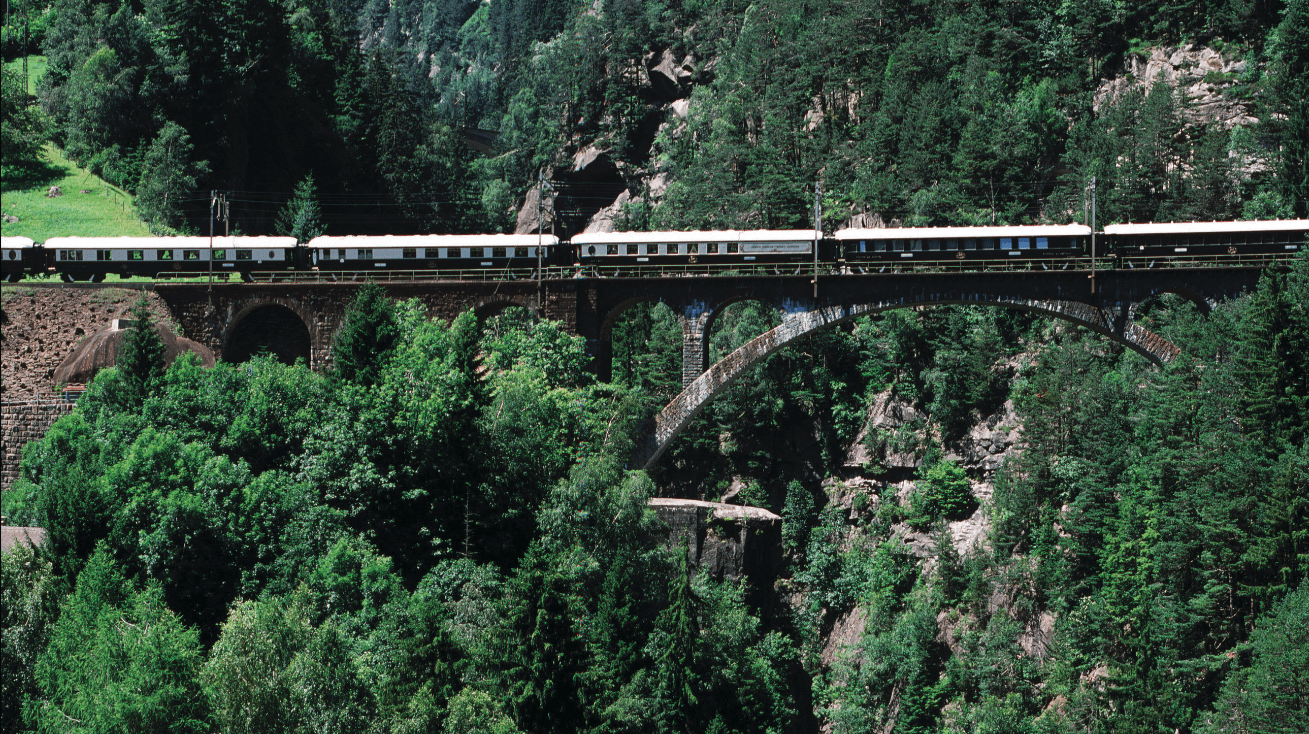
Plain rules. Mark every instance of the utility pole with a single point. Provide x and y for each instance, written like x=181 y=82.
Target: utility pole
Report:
x=541 y=188
x=818 y=229
x=1092 y=235
x=213 y=202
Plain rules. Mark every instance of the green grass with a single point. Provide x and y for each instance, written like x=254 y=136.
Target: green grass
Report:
x=104 y=211
x=36 y=66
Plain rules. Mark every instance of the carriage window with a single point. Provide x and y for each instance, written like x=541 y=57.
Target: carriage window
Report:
x=1024 y=243
x=340 y=254
x=103 y=254
x=218 y=255
x=879 y=246
x=916 y=245
x=190 y=254
x=476 y=251
x=431 y=253
x=933 y=244
x=632 y=249
x=693 y=248
x=712 y=248
x=1006 y=243
x=611 y=249
x=988 y=244
x=409 y=252
x=163 y=254
x=652 y=249
x=520 y=252
x=242 y=254
x=13 y=254
x=590 y=250
x=1042 y=243
x=497 y=252
x=272 y=254
x=140 y=255
x=674 y=249
x=970 y=244
x=732 y=247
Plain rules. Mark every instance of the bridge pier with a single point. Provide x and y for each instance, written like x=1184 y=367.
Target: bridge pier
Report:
x=695 y=340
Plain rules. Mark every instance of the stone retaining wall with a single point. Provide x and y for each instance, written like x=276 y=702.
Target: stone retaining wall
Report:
x=21 y=423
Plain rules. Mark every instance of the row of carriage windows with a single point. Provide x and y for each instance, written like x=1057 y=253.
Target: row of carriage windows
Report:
x=160 y=255
x=430 y=253
x=955 y=245
x=672 y=248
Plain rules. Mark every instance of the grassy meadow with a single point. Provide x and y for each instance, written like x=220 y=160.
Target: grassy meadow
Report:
x=89 y=206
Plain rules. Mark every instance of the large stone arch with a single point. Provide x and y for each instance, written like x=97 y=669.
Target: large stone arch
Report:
x=280 y=324
x=494 y=306
x=603 y=348
x=677 y=414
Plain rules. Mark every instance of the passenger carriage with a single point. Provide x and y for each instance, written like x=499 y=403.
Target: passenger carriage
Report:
x=92 y=258
x=19 y=257
x=1191 y=239
x=898 y=244
x=722 y=247
x=430 y=252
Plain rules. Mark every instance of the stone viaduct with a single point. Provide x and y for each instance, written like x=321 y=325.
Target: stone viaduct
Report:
x=299 y=319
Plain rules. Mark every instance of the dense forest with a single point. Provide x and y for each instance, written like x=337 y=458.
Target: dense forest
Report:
x=440 y=115
x=441 y=533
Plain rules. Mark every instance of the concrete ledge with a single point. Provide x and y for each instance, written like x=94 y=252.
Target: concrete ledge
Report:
x=721 y=510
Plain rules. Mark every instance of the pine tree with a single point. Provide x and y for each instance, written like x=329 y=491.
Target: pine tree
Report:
x=141 y=356
x=676 y=663
x=367 y=337
x=301 y=217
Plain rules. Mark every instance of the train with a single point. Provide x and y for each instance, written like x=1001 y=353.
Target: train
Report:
x=848 y=250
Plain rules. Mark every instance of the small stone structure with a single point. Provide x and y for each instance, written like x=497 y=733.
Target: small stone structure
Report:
x=12 y=535
x=21 y=423
x=728 y=541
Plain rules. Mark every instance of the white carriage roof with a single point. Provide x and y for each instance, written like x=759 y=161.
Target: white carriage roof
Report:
x=433 y=240
x=166 y=243
x=902 y=233
x=722 y=235
x=13 y=243
x=1266 y=225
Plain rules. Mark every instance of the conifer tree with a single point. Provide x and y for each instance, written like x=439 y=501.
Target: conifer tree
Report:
x=301 y=218
x=141 y=356
x=676 y=662
x=367 y=337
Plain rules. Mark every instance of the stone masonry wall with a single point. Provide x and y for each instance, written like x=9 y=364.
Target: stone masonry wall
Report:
x=20 y=424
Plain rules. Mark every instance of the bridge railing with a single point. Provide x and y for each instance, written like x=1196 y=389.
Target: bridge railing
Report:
x=825 y=269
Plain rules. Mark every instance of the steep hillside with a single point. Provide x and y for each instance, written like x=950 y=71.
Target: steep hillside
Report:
x=442 y=115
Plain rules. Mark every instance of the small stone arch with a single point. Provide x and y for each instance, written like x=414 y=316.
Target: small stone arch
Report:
x=490 y=308
x=699 y=392
x=274 y=325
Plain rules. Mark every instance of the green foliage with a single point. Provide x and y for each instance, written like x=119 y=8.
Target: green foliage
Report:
x=474 y=712
x=30 y=602
x=1267 y=694
x=943 y=493
x=168 y=173
x=141 y=356
x=367 y=337
x=797 y=514
x=119 y=660
x=22 y=127
x=301 y=217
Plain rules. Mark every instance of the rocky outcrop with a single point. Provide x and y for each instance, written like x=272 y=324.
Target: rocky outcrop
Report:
x=727 y=541
x=1203 y=75
x=888 y=437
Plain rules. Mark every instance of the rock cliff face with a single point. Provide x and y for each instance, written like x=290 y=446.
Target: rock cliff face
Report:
x=1202 y=75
